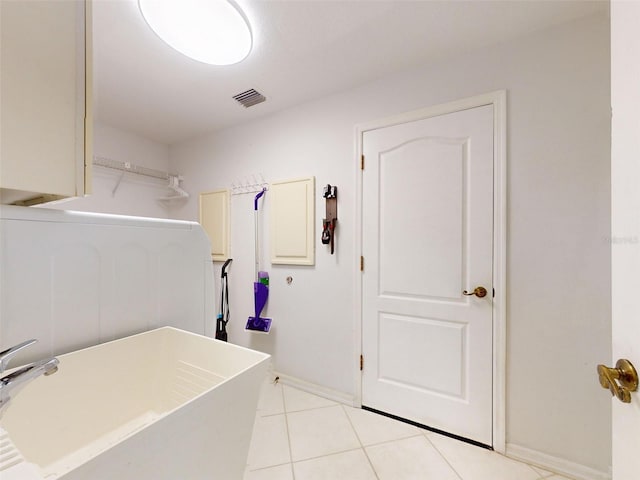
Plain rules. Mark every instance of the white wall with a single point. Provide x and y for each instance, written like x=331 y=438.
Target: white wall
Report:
x=558 y=226
x=136 y=195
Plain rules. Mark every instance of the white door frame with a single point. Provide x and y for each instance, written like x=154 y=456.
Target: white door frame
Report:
x=499 y=101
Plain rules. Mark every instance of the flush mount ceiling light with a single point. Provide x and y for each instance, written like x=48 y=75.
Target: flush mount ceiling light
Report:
x=210 y=31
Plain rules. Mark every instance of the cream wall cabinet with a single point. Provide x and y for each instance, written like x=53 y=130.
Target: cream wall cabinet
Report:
x=45 y=97
x=214 y=218
x=293 y=222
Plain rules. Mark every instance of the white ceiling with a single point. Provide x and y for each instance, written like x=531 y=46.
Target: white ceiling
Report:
x=302 y=50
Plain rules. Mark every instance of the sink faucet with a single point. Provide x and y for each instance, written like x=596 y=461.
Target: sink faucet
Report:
x=9 y=384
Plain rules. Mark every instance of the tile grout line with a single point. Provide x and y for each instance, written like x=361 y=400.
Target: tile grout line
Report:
x=272 y=414
x=314 y=408
x=310 y=409
x=268 y=467
x=286 y=423
x=248 y=468
x=385 y=442
x=333 y=403
x=364 y=450
x=540 y=475
x=442 y=455
x=328 y=455
x=338 y=452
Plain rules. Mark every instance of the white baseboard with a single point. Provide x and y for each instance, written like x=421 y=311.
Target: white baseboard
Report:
x=555 y=464
x=315 y=389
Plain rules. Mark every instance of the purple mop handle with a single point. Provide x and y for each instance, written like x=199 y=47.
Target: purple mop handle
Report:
x=255 y=202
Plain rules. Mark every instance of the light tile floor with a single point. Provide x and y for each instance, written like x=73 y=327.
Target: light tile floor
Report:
x=299 y=436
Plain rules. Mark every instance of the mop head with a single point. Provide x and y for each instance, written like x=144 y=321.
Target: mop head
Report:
x=258 y=324
x=260 y=295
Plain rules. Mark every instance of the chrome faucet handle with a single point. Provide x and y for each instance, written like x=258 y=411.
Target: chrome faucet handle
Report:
x=8 y=354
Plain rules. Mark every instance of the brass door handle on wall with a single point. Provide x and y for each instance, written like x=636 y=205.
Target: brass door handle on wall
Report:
x=478 y=292
x=625 y=374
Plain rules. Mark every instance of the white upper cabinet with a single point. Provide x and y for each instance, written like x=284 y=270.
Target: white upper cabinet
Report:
x=45 y=97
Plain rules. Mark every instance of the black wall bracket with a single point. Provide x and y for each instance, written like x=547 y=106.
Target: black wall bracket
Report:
x=329 y=224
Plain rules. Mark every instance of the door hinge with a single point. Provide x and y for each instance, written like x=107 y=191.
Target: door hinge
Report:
x=361 y=263
x=362 y=162
x=361 y=362
x=494 y=292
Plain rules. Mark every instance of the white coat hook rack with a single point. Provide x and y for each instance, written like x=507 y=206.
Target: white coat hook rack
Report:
x=249 y=184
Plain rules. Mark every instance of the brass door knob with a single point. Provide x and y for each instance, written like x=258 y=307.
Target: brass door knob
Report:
x=625 y=374
x=478 y=292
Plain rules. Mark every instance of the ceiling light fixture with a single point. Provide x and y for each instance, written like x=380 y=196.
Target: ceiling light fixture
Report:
x=209 y=31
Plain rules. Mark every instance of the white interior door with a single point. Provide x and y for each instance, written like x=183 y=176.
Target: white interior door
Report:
x=625 y=225
x=427 y=236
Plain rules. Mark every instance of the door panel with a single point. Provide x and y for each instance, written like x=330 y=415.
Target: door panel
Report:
x=428 y=230
x=437 y=168
x=443 y=343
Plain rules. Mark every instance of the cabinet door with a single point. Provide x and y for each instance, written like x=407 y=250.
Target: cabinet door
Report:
x=214 y=218
x=43 y=107
x=293 y=222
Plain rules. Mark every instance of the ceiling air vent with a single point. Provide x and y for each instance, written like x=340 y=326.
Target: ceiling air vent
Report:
x=249 y=98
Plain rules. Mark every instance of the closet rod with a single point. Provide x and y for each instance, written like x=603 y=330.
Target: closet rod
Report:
x=130 y=167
